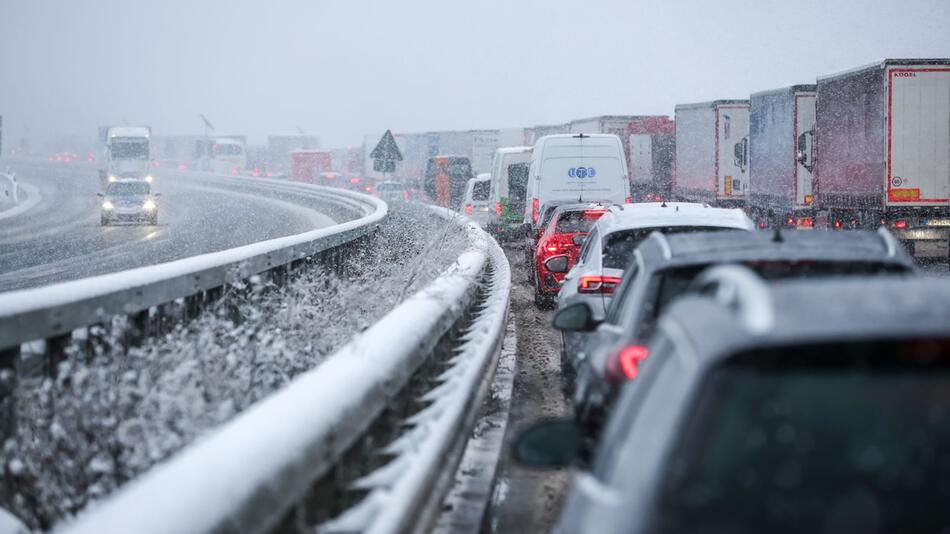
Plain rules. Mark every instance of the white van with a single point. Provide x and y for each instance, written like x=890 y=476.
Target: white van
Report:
x=576 y=167
x=476 y=203
x=509 y=179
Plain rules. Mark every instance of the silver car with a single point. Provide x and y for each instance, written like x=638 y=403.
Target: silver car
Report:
x=128 y=200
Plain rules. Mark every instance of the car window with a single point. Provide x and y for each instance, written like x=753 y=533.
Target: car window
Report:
x=589 y=244
x=580 y=221
x=127 y=188
x=619 y=245
x=843 y=436
x=624 y=293
x=481 y=191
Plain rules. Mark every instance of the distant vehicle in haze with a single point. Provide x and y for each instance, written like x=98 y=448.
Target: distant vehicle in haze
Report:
x=392 y=191
x=509 y=182
x=225 y=155
x=445 y=180
x=128 y=200
x=125 y=154
x=711 y=152
x=578 y=168
x=477 y=201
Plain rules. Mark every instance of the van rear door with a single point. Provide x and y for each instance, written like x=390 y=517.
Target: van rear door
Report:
x=594 y=173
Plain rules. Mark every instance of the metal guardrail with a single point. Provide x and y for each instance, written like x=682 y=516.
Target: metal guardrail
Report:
x=368 y=441
x=53 y=311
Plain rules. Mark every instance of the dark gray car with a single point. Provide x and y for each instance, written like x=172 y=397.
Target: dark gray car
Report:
x=807 y=406
x=663 y=266
x=128 y=200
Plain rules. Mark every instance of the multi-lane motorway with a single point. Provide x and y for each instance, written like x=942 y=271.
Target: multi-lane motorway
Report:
x=60 y=238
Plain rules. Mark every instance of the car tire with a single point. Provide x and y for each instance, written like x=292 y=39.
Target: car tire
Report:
x=103 y=220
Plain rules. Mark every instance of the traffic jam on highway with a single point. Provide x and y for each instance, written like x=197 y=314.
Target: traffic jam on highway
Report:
x=733 y=317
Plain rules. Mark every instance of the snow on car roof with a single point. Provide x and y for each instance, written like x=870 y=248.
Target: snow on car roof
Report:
x=515 y=149
x=128 y=131
x=656 y=214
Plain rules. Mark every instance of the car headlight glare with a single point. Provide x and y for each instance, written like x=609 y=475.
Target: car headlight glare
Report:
x=112 y=178
x=149 y=205
x=107 y=205
x=148 y=178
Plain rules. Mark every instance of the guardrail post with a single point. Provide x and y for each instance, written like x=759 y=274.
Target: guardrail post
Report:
x=56 y=352
x=8 y=380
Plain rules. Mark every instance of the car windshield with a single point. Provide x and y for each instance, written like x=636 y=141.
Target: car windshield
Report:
x=127 y=188
x=840 y=437
x=129 y=150
x=517 y=184
x=580 y=221
x=619 y=245
x=228 y=149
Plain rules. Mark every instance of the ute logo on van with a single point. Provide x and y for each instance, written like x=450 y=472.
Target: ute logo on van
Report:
x=582 y=172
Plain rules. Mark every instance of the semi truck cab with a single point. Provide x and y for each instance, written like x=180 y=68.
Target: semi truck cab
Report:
x=126 y=154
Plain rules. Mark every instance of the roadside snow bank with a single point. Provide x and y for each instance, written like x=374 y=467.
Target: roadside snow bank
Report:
x=102 y=422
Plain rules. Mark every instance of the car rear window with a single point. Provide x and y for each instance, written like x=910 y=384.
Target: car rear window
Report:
x=619 y=246
x=841 y=437
x=481 y=191
x=581 y=221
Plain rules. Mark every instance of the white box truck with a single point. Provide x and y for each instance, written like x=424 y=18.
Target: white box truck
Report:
x=711 y=143
x=126 y=153
x=883 y=151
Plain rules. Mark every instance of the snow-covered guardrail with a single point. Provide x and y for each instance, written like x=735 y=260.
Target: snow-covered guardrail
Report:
x=51 y=312
x=368 y=441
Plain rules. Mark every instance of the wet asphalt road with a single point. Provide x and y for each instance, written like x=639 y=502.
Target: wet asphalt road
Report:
x=60 y=238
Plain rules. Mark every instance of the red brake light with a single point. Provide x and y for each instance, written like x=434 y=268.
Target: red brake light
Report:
x=594 y=214
x=629 y=200
x=233 y=171
x=762 y=225
x=268 y=174
x=900 y=224
x=468 y=209
x=837 y=224
x=789 y=221
x=498 y=209
x=552 y=247
x=405 y=195
x=806 y=222
x=597 y=284
x=368 y=189
x=354 y=180
x=534 y=210
x=625 y=364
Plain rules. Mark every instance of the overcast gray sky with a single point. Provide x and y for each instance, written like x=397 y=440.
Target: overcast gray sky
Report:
x=343 y=68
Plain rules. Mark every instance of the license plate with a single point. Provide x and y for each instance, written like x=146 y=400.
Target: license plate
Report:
x=938 y=222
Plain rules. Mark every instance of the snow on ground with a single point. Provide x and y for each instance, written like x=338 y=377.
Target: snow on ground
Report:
x=104 y=421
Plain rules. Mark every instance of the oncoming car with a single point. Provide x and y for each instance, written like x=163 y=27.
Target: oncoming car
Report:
x=128 y=200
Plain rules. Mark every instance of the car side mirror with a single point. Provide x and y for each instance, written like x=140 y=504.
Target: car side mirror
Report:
x=577 y=317
x=548 y=443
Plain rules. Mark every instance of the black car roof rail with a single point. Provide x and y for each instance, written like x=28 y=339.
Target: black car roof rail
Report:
x=889 y=242
x=741 y=290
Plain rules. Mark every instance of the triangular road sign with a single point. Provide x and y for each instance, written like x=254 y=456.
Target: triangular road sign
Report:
x=386 y=149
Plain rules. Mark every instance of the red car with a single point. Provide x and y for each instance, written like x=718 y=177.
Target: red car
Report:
x=558 y=246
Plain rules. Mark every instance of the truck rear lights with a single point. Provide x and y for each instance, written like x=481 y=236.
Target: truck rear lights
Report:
x=900 y=224
x=628 y=200
x=789 y=221
x=624 y=364
x=355 y=180
x=498 y=209
x=837 y=224
x=604 y=285
x=534 y=210
x=806 y=222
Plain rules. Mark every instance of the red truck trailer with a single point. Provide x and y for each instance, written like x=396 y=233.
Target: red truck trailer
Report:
x=711 y=148
x=883 y=151
x=781 y=161
x=307 y=163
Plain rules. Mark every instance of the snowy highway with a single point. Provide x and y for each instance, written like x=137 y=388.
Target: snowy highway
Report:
x=60 y=238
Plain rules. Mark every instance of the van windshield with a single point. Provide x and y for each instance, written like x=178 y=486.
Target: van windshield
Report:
x=481 y=191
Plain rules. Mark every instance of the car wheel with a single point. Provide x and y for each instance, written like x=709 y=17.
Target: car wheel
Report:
x=103 y=220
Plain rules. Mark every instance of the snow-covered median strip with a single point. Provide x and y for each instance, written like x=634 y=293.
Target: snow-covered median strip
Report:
x=246 y=474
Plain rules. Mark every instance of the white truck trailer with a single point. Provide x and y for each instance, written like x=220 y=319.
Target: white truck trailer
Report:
x=711 y=143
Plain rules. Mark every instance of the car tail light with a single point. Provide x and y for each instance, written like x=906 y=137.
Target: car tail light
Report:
x=233 y=171
x=368 y=189
x=498 y=209
x=762 y=225
x=597 y=284
x=900 y=224
x=883 y=222
x=468 y=209
x=534 y=210
x=624 y=364
x=789 y=221
x=838 y=224
x=354 y=180
x=806 y=222
x=628 y=200
x=594 y=214
x=405 y=195
x=268 y=174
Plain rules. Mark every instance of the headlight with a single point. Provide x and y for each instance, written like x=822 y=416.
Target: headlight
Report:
x=107 y=205
x=148 y=178
x=149 y=205
x=112 y=178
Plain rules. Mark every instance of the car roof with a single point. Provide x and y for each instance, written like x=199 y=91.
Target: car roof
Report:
x=794 y=245
x=655 y=214
x=515 y=149
x=802 y=312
